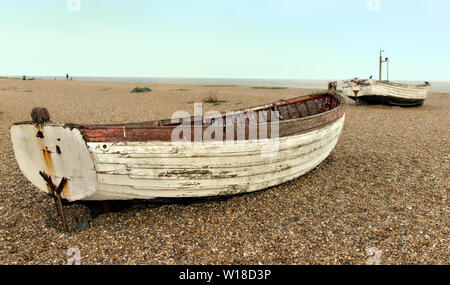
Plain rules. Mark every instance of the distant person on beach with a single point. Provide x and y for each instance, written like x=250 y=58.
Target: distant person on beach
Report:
x=67 y=76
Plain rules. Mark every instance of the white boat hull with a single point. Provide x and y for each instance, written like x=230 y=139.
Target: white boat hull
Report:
x=157 y=169
x=373 y=91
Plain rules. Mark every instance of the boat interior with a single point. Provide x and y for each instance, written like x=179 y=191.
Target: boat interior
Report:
x=296 y=108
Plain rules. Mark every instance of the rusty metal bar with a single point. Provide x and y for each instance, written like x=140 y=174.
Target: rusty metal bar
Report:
x=56 y=194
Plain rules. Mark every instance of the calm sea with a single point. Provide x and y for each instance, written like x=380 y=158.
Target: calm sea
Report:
x=436 y=86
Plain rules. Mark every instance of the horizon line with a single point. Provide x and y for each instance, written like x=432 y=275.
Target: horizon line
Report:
x=234 y=78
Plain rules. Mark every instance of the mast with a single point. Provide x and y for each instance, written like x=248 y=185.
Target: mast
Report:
x=381 y=62
x=387 y=63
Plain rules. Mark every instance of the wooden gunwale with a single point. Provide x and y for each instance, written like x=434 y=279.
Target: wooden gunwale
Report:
x=396 y=84
x=148 y=131
x=153 y=131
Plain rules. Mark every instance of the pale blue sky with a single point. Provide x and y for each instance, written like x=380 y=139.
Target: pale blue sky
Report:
x=286 y=39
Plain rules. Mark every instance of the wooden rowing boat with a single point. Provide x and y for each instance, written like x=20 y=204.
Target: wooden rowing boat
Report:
x=141 y=160
x=371 y=91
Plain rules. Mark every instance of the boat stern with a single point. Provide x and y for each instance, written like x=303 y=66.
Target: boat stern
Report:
x=55 y=154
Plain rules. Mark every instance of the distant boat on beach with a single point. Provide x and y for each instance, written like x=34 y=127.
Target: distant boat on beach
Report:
x=370 y=91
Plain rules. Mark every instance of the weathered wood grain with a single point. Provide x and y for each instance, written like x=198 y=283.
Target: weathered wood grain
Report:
x=140 y=161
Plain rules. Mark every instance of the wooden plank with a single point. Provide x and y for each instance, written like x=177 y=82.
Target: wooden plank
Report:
x=139 y=160
x=134 y=182
x=144 y=191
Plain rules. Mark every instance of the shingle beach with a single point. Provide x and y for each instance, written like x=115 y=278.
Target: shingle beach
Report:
x=385 y=186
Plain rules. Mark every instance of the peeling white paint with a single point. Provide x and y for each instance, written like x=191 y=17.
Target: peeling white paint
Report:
x=74 y=162
x=370 y=87
x=155 y=169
